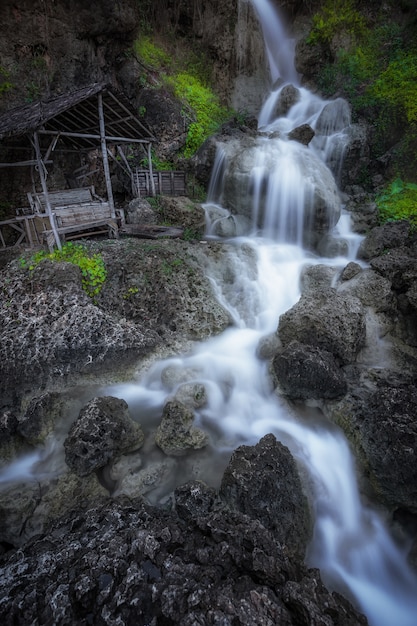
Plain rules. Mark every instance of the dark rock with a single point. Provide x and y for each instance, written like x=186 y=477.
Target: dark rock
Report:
x=102 y=432
x=303 y=134
x=379 y=419
x=351 y=270
x=130 y=562
x=383 y=238
x=372 y=290
x=399 y=266
x=305 y=372
x=328 y=320
x=262 y=481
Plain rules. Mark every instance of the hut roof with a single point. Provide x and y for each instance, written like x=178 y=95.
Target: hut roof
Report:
x=74 y=118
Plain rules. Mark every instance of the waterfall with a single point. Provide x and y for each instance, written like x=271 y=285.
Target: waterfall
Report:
x=283 y=180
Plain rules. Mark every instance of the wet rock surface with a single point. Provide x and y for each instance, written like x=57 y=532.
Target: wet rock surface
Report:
x=379 y=417
x=176 y=433
x=327 y=320
x=201 y=563
x=262 y=481
x=52 y=333
x=102 y=432
x=305 y=372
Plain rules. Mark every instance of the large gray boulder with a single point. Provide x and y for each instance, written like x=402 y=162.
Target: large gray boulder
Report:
x=328 y=320
x=102 y=432
x=262 y=481
x=321 y=205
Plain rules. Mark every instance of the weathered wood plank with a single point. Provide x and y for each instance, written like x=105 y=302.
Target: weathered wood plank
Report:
x=150 y=231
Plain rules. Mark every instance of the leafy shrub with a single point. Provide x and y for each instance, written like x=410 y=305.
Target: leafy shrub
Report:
x=93 y=269
x=398 y=202
x=397 y=85
x=336 y=16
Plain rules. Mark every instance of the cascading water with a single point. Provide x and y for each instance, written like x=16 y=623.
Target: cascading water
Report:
x=351 y=545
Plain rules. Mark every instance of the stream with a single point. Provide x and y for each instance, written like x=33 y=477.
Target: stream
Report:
x=351 y=545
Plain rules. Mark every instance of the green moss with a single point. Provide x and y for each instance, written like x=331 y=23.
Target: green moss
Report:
x=151 y=54
x=398 y=202
x=187 y=76
x=93 y=269
x=201 y=106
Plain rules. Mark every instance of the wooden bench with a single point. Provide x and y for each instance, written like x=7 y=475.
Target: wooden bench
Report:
x=76 y=211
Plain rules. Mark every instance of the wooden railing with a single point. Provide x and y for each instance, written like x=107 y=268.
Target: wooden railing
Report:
x=166 y=183
x=17 y=231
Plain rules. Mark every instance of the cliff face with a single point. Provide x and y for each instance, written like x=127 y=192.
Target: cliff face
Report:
x=52 y=46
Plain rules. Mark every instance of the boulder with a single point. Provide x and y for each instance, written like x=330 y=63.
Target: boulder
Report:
x=305 y=372
x=176 y=433
x=102 y=432
x=139 y=211
x=303 y=134
x=316 y=202
x=372 y=290
x=331 y=321
x=288 y=96
x=262 y=481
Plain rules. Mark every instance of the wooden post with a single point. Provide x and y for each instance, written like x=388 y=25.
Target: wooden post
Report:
x=151 y=169
x=105 y=157
x=45 y=190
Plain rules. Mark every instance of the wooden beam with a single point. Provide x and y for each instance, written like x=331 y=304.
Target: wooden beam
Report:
x=23 y=163
x=91 y=136
x=151 y=169
x=45 y=189
x=105 y=156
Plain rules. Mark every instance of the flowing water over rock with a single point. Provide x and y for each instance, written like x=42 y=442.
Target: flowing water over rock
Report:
x=273 y=193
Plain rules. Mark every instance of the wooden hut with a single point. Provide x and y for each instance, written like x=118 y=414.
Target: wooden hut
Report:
x=95 y=117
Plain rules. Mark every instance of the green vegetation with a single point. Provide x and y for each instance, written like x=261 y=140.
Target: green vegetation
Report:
x=201 y=106
x=376 y=71
x=93 y=269
x=188 y=80
x=151 y=54
x=397 y=85
x=398 y=202
x=334 y=17
x=168 y=267
x=132 y=291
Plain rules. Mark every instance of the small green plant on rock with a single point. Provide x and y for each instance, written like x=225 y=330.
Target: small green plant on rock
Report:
x=93 y=269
